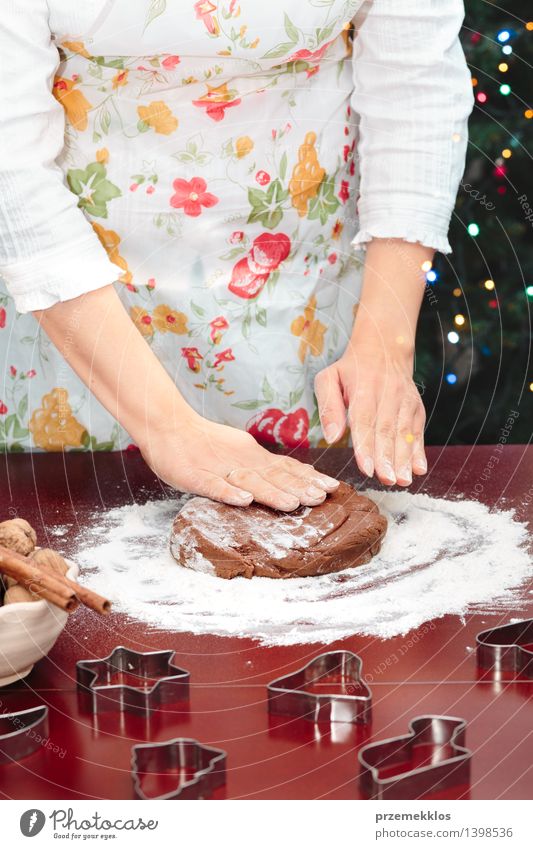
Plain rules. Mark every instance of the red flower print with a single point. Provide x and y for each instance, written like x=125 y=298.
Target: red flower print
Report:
x=31 y=373
x=262 y=178
x=244 y=282
x=12 y=371
x=2 y=317
x=132 y=447
x=3 y=408
x=191 y=195
x=223 y=357
x=236 y=237
x=269 y=250
x=204 y=11
x=193 y=357
x=218 y=325
x=344 y=192
x=217 y=100
x=285 y=430
x=346 y=152
x=332 y=259
x=150 y=284
x=310 y=55
x=170 y=62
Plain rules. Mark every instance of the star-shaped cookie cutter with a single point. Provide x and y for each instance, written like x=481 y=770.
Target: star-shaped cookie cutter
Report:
x=22 y=733
x=507 y=648
x=432 y=733
x=106 y=683
x=304 y=693
x=199 y=769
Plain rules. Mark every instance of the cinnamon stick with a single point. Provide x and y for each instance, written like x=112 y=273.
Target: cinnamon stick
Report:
x=54 y=564
x=25 y=572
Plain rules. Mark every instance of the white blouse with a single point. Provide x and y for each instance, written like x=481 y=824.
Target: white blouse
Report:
x=411 y=88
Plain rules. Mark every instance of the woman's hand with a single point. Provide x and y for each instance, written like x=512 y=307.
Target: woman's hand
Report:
x=188 y=452
x=226 y=464
x=385 y=412
x=373 y=380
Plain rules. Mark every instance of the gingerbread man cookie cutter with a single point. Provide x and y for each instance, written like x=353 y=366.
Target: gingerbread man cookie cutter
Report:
x=22 y=733
x=436 y=743
x=199 y=770
x=507 y=648
x=304 y=693
x=131 y=680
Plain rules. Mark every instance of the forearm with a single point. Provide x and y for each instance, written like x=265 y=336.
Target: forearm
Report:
x=100 y=342
x=393 y=288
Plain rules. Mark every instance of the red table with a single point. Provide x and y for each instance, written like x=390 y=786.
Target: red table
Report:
x=430 y=671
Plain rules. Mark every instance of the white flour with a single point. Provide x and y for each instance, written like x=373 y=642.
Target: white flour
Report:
x=438 y=557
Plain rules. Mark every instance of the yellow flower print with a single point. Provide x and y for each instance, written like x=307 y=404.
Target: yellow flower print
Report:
x=73 y=101
x=120 y=79
x=306 y=176
x=310 y=330
x=243 y=146
x=53 y=426
x=102 y=155
x=111 y=240
x=167 y=320
x=76 y=47
x=142 y=321
x=158 y=116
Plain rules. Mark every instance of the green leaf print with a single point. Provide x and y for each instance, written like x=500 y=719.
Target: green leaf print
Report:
x=267 y=206
x=156 y=8
x=283 y=166
x=325 y=203
x=247 y=405
x=93 y=188
x=268 y=392
x=290 y=29
x=279 y=50
x=199 y=311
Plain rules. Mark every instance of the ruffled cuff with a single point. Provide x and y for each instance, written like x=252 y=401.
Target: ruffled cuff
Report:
x=40 y=282
x=427 y=223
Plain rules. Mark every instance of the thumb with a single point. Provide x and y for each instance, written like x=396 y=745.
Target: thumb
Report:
x=330 y=403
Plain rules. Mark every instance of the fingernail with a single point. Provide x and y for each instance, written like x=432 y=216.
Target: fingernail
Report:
x=368 y=466
x=389 y=472
x=314 y=492
x=287 y=502
x=240 y=498
x=327 y=482
x=405 y=474
x=422 y=465
x=331 y=432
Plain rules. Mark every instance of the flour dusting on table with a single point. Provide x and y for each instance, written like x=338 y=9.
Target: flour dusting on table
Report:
x=438 y=557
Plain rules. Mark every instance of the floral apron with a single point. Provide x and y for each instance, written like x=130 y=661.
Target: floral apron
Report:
x=213 y=149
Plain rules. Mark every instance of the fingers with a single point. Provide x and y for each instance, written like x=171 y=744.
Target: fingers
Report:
x=420 y=465
x=307 y=493
x=362 y=424
x=403 y=451
x=263 y=490
x=330 y=404
x=309 y=474
x=219 y=489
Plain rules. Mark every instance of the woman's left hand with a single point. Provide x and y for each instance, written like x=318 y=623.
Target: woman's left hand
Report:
x=374 y=389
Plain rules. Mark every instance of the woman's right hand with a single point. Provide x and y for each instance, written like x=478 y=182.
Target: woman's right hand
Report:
x=226 y=464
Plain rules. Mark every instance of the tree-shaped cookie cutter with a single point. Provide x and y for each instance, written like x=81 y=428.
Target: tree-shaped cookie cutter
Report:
x=22 y=733
x=199 y=769
x=507 y=648
x=425 y=732
x=290 y=696
x=160 y=682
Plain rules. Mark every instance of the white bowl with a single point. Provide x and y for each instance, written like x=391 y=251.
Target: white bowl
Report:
x=28 y=630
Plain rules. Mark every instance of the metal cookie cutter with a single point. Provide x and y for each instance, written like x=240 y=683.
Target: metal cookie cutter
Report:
x=329 y=688
x=431 y=758
x=131 y=680
x=22 y=732
x=196 y=769
x=507 y=648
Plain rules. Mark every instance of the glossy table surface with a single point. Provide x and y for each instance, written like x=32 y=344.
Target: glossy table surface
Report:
x=432 y=670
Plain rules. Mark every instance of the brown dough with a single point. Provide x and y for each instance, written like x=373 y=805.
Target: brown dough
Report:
x=345 y=531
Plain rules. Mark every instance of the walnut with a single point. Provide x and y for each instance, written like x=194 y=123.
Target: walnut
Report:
x=18 y=535
x=50 y=561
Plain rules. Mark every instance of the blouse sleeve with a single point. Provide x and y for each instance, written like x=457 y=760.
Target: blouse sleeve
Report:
x=48 y=250
x=413 y=93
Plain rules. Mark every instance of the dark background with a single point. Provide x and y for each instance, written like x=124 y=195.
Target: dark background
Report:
x=491 y=363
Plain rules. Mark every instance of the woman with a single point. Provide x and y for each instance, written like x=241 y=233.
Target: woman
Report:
x=216 y=210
